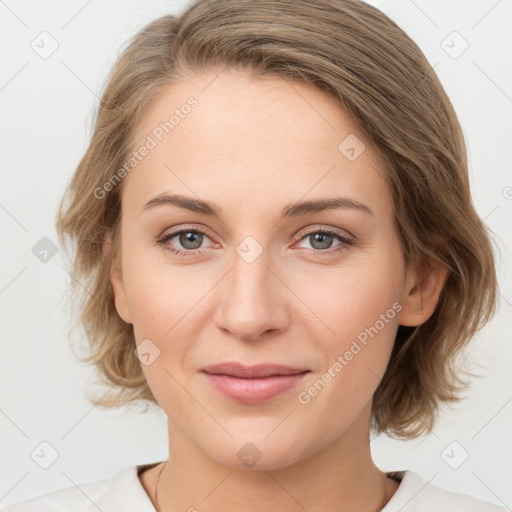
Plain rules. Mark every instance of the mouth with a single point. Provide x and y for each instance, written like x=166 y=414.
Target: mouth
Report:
x=252 y=372
x=253 y=384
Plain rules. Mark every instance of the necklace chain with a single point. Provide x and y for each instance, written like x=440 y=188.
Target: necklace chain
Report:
x=156 y=489
x=158 y=504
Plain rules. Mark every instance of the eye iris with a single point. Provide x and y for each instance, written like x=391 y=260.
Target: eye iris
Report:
x=321 y=237
x=191 y=237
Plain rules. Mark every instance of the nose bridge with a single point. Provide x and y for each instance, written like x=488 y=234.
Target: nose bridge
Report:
x=250 y=274
x=250 y=298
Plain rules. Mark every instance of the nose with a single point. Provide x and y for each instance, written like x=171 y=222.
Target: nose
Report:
x=253 y=302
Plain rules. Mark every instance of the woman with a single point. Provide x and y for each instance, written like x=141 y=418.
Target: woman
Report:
x=275 y=218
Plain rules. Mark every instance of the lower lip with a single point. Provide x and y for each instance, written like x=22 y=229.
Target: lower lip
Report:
x=254 y=391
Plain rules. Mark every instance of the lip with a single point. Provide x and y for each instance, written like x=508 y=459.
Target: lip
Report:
x=253 y=384
x=250 y=372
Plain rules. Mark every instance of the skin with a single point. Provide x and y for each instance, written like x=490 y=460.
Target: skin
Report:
x=252 y=146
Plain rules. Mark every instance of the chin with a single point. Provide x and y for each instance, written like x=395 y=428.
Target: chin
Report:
x=257 y=455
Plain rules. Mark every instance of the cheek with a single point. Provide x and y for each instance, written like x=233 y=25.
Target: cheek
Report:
x=358 y=307
x=155 y=295
x=350 y=298
x=364 y=321
x=167 y=305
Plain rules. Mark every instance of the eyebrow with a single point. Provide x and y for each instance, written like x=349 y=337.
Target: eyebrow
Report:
x=291 y=210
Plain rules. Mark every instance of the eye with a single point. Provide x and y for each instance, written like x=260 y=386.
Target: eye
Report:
x=322 y=239
x=190 y=239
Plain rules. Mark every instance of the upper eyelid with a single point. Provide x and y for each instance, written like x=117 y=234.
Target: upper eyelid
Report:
x=322 y=227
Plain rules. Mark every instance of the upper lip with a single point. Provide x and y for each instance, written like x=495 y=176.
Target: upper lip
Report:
x=252 y=372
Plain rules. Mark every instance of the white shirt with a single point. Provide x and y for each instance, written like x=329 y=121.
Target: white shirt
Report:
x=124 y=493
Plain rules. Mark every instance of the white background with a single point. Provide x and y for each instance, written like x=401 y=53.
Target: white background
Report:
x=47 y=107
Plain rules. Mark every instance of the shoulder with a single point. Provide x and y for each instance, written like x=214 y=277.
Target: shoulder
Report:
x=124 y=488
x=70 y=498
x=418 y=495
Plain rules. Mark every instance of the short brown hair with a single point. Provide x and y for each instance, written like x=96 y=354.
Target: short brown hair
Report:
x=358 y=56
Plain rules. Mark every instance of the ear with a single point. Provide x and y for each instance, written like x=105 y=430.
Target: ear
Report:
x=421 y=293
x=116 y=279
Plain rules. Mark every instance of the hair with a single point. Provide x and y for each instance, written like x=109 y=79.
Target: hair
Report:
x=356 y=55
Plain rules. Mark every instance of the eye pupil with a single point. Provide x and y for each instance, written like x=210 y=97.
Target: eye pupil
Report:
x=322 y=237
x=190 y=237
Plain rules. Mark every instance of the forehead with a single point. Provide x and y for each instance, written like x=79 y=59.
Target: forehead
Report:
x=219 y=134
x=238 y=103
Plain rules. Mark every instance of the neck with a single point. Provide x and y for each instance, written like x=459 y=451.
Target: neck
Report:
x=341 y=476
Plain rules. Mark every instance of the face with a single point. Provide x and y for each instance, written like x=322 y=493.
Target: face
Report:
x=256 y=277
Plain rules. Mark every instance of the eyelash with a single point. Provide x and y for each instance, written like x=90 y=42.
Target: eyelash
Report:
x=345 y=241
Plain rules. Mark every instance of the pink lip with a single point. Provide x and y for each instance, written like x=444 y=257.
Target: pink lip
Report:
x=253 y=384
x=255 y=371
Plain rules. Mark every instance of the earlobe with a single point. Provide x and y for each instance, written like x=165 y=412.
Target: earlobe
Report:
x=421 y=294
x=117 y=282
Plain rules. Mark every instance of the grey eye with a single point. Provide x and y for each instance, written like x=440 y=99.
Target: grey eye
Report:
x=190 y=239
x=321 y=240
